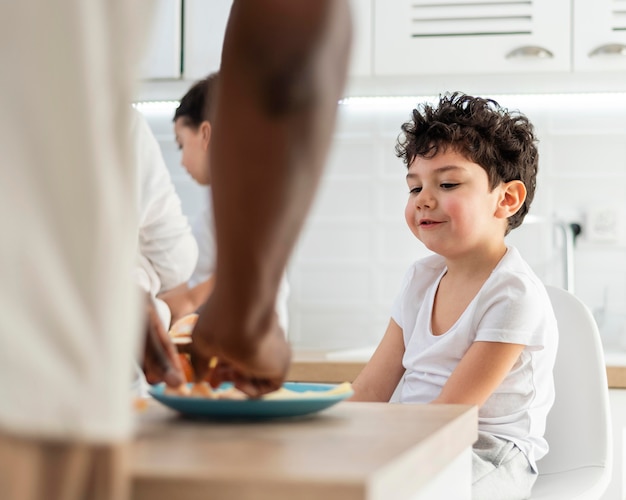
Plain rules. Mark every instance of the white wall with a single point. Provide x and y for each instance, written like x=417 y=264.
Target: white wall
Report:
x=355 y=247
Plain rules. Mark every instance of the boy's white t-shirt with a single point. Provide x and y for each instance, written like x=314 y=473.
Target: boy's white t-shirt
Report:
x=512 y=306
x=204 y=232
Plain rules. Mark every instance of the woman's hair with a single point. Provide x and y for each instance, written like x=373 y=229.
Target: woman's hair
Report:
x=197 y=104
x=500 y=141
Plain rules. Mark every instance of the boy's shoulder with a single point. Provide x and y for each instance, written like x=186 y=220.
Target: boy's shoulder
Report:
x=515 y=275
x=513 y=263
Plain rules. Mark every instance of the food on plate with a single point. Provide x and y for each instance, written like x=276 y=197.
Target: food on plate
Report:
x=180 y=331
x=186 y=366
x=181 y=390
x=284 y=393
x=204 y=390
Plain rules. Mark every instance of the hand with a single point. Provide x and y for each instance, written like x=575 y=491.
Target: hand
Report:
x=183 y=300
x=177 y=299
x=256 y=362
x=160 y=361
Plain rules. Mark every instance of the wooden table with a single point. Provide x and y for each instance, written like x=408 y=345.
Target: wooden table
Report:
x=351 y=451
x=616 y=369
x=316 y=366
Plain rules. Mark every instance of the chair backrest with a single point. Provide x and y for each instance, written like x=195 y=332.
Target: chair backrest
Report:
x=578 y=428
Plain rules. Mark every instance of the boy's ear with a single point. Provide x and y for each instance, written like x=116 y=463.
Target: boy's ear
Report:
x=205 y=130
x=512 y=197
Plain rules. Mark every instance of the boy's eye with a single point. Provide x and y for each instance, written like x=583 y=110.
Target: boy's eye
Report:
x=449 y=185
x=415 y=190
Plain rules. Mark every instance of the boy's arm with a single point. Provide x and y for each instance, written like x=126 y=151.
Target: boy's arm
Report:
x=383 y=372
x=479 y=373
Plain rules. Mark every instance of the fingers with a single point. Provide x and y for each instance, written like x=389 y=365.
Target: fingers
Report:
x=161 y=361
x=200 y=364
x=256 y=365
x=209 y=369
x=256 y=387
x=252 y=386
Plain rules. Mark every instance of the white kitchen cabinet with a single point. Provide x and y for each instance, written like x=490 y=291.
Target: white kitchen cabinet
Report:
x=599 y=35
x=205 y=24
x=163 y=52
x=426 y=37
x=403 y=47
x=362 y=29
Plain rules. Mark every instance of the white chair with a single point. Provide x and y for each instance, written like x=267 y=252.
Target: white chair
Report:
x=578 y=465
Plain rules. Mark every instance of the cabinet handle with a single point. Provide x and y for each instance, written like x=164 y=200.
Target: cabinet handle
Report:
x=530 y=52
x=610 y=49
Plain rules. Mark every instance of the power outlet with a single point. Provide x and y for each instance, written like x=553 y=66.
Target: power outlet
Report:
x=603 y=224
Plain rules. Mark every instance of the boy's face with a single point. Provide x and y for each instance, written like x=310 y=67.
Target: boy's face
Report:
x=451 y=208
x=194 y=144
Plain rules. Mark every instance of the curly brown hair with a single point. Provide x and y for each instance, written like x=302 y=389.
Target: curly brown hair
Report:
x=501 y=141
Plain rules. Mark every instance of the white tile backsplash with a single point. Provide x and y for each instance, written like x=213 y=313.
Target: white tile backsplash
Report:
x=336 y=284
x=582 y=154
x=355 y=247
x=345 y=199
x=333 y=242
x=353 y=157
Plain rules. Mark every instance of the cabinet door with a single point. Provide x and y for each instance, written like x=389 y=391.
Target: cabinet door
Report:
x=599 y=45
x=205 y=25
x=426 y=37
x=361 y=53
x=162 y=56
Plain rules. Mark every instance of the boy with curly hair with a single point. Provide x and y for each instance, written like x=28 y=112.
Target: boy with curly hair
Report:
x=472 y=324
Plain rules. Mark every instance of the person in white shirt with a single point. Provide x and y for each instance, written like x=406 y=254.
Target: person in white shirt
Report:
x=193 y=129
x=167 y=249
x=472 y=324
x=71 y=320
x=71 y=315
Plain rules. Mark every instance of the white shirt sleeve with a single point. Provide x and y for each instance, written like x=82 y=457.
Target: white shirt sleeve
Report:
x=167 y=248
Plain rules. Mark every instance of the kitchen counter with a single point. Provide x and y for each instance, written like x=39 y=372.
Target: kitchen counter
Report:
x=344 y=366
x=325 y=366
x=351 y=451
x=616 y=369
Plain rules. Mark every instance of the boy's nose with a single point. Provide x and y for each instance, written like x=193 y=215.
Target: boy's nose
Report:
x=424 y=199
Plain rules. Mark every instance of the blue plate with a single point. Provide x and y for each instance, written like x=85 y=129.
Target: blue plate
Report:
x=252 y=408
